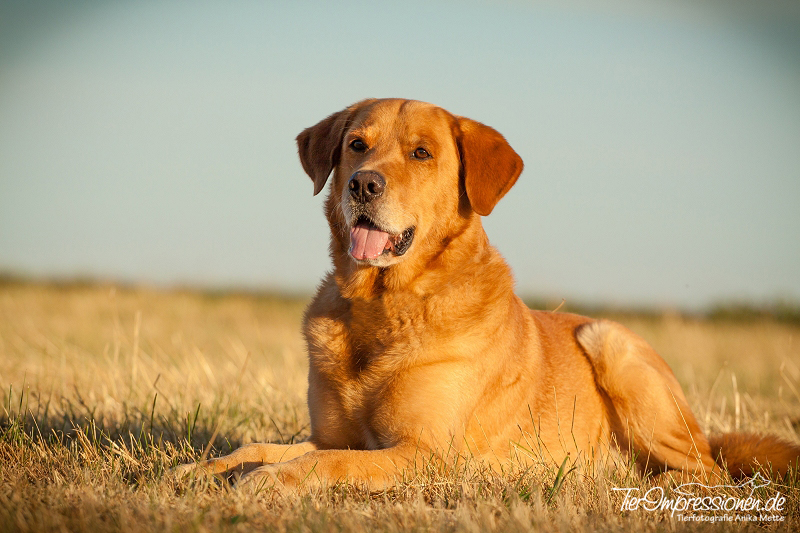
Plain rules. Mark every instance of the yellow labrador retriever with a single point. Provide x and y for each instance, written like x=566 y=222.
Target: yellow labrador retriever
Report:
x=419 y=347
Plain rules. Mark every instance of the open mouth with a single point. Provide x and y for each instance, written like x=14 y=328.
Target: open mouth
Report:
x=368 y=241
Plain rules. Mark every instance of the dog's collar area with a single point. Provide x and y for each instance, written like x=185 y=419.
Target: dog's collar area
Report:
x=368 y=241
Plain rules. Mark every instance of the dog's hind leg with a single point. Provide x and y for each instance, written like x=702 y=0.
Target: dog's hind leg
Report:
x=649 y=415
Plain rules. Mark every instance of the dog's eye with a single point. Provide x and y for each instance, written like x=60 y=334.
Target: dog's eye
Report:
x=358 y=145
x=421 y=153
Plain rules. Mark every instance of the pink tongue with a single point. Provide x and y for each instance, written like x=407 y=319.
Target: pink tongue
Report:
x=366 y=242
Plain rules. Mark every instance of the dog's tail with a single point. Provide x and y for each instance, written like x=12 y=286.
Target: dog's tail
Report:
x=744 y=454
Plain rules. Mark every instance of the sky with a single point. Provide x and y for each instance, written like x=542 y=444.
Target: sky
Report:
x=153 y=141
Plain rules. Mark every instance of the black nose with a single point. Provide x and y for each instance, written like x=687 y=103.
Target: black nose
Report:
x=366 y=185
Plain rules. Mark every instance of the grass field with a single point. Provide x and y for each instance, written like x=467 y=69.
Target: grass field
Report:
x=105 y=389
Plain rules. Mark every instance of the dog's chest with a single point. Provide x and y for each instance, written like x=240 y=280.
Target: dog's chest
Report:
x=356 y=358
x=358 y=391
x=367 y=339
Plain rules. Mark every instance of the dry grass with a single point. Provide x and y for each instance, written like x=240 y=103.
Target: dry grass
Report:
x=105 y=389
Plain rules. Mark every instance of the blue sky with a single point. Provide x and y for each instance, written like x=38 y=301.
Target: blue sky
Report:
x=154 y=141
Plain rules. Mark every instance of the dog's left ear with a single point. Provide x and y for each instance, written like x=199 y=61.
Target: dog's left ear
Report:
x=490 y=165
x=320 y=146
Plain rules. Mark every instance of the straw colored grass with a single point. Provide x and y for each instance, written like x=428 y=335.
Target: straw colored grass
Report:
x=105 y=389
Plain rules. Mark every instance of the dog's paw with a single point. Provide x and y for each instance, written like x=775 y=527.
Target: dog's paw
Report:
x=276 y=477
x=192 y=471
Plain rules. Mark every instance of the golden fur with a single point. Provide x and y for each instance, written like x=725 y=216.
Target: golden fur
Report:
x=429 y=353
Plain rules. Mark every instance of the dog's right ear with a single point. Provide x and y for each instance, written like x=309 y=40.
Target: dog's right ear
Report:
x=320 y=145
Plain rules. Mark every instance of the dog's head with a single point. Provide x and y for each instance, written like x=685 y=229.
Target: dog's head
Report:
x=406 y=176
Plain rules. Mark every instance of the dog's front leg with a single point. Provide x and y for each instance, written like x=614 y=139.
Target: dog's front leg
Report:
x=248 y=457
x=372 y=469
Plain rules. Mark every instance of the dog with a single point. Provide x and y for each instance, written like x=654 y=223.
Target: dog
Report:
x=420 y=349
